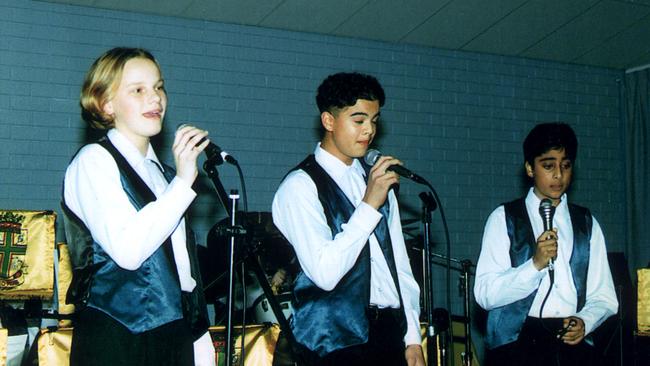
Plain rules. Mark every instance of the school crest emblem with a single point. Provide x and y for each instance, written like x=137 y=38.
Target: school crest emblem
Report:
x=13 y=246
x=27 y=254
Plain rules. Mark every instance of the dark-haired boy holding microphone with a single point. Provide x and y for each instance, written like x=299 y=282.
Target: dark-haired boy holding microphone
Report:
x=546 y=287
x=355 y=300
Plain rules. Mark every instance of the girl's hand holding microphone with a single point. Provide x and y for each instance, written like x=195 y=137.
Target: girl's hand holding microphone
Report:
x=189 y=142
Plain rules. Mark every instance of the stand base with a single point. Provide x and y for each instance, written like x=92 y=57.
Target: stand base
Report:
x=457 y=348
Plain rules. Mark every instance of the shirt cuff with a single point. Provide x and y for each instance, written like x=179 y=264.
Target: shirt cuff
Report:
x=204 y=353
x=413 y=330
x=365 y=218
x=591 y=321
x=412 y=337
x=529 y=274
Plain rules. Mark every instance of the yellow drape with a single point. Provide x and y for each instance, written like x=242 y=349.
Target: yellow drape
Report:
x=260 y=343
x=26 y=254
x=643 y=304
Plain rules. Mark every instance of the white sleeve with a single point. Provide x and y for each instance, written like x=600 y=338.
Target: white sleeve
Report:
x=93 y=191
x=204 y=353
x=299 y=215
x=497 y=283
x=600 y=302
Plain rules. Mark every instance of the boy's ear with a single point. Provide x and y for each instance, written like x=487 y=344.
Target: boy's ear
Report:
x=529 y=170
x=327 y=120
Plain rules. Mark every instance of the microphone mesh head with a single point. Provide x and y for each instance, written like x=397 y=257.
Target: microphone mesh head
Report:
x=371 y=156
x=546 y=203
x=547 y=210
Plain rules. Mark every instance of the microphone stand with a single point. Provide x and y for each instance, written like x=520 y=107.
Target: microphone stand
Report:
x=429 y=199
x=210 y=167
x=466 y=272
x=251 y=260
x=234 y=196
x=467 y=355
x=433 y=351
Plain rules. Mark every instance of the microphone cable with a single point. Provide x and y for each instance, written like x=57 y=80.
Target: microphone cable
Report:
x=551 y=277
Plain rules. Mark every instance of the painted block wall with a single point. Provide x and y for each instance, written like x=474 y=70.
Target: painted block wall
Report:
x=455 y=118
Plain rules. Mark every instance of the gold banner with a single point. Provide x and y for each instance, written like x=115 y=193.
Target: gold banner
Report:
x=4 y=339
x=457 y=347
x=64 y=277
x=26 y=254
x=54 y=347
x=260 y=342
x=643 y=303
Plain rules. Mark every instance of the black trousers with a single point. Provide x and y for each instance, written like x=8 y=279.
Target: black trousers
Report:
x=385 y=344
x=538 y=345
x=100 y=340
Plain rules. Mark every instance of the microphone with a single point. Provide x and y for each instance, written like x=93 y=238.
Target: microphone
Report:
x=547 y=211
x=213 y=152
x=373 y=155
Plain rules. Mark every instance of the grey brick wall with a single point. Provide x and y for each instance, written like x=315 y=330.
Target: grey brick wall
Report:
x=455 y=118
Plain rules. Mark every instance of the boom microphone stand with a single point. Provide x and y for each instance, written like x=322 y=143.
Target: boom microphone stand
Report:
x=466 y=272
x=234 y=196
x=430 y=201
x=467 y=355
x=250 y=259
x=210 y=167
x=435 y=350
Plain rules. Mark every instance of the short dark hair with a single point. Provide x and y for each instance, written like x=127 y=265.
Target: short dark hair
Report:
x=550 y=136
x=342 y=90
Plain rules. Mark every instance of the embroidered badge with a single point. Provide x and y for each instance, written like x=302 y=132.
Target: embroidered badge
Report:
x=13 y=246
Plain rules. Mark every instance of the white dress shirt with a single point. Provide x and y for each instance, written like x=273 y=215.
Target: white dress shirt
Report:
x=93 y=191
x=498 y=283
x=299 y=215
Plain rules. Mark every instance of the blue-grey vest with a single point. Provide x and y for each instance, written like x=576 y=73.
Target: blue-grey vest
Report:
x=142 y=299
x=325 y=321
x=504 y=323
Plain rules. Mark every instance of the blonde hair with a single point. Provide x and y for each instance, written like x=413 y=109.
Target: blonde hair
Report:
x=101 y=81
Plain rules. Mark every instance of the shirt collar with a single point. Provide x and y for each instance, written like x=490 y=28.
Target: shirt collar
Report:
x=129 y=151
x=533 y=201
x=335 y=167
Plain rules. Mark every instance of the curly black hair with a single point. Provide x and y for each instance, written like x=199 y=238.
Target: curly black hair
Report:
x=345 y=88
x=550 y=136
